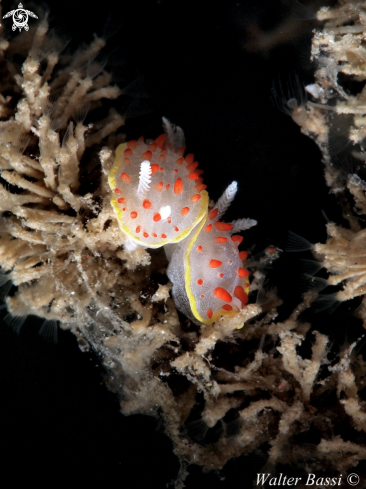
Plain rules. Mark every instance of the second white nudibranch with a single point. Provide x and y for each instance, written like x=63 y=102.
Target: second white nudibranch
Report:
x=207 y=272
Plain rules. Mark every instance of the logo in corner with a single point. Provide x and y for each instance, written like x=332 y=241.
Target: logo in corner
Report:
x=20 y=17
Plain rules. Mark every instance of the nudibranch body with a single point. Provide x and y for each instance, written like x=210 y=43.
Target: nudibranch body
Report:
x=158 y=194
x=206 y=269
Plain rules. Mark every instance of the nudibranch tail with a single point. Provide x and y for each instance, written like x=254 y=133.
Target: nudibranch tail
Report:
x=158 y=194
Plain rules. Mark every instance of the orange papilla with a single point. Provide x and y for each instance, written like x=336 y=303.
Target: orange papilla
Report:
x=178 y=186
x=127 y=161
x=185 y=211
x=160 y=140
x=159 y=186
x=200 y=186
x=121 y=200
x=117 y=191
x=147 y=155
x=164 y=150
x=176 y=229
x=154 y=235
x=208 y=228
x=227 y=307
x=221 y=275
x=195 y=198
x=199 y=281
x=237 y=238
x=222 y=294
x=154 y=168
x=213 y=213
x=209 y=313
x=163 y=236
x=162 y=158
x=181 y=150
x=220 y=239
x=152 y=147
x=189 y=158
x=199 y=171
x=161 y=168
x=157 y=217
x=132 y=144
x=215 y=263
x=243 y=273
x=180 y=161
x=167 y=186
x=193 y=176
x=133 y=215
x=199 y=248
x=146 y=235
x=146 y=204
x=128 y=152
x=241 y=295
x=223 y=226
x=243 y=255
x=192 y=166
x=169 y=220
x=125 y=178
x=138 y=229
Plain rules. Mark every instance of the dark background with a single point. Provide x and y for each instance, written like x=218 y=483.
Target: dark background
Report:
x=198 y=64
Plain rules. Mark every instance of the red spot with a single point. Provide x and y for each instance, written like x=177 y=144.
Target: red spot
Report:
x=125 y=178
x=162 y=158
x=138 y=229
x=181 y=150
x=200 y=187
x=192 y=166
x=195 y=198
x=203 y=295
x=271 y=249
x=169 y=220
x=200 y=281
x=176 y=229
x=154 y=235
x=209 y=313
x=243 y=255
x=167 y=186
x=213 y=214
x=241 y=295
x=220 y=239
x=189 y=158
x=222 y=294
x=164 y=150
x=146 y=204
x=208 y=228
x=163 y=236
x=127 y=161
x=121 y=200
x=215 y=263
x=159 y=186
x=117 y=191
x=133 y=215
x=221 y=275
x=128 y=152
x=178 y=186
x=230 y=261
x=199 y=248
x=223 y=226
x=152 y=147
x=227 y=307
x=154 y=168
x=237 y=239
x=147 y=155
x=132 y=144
x=180 y=161
x=193 y=176
x=243 y=273
x=157 y=217
x=160 y=140
x=146 y=235
x=124 y=209
x=175 y=170
x=185 y=211
x=161 y=168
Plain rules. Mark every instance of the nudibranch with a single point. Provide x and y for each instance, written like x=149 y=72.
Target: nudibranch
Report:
x=157 y=193
x=207 y=271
